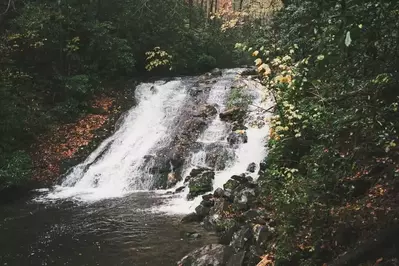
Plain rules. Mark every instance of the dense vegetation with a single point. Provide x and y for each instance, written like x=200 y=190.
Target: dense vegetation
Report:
x=57 y=55
x=332 y=67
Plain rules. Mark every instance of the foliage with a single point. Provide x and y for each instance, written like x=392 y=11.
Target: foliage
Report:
x=333 y=139
x=56 y=57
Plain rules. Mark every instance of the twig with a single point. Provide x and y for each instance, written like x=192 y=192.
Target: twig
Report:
x=267 y=110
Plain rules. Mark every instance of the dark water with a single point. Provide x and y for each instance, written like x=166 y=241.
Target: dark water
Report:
x=110 y=232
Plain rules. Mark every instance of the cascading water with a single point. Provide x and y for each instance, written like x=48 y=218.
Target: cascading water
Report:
x=119 y=166
x=116 y=167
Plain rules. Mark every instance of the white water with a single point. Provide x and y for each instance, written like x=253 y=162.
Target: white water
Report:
x=115 y=168
x=252 y=151
x=118 y=171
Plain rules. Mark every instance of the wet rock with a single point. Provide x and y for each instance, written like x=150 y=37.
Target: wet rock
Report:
x=215 y=220
x=252 y=256
x=191 y=218
x=235 y=114
x=207 y=200
x=230 y=226
x=249 y=72
x=202 y=210
x=231 y=184
x=218 y=155
x=219 y=193
x=196 y=172
x=237 y=137
x=180 y=189
x=242 y=239
x=251 y=168
x=173 y=178
x=242 y=178
x=262 y=235
x=237 y=259
x=262 y=167
x=216 y=72
x=244 y=198
x=238 y=126
x=209 y=255
x=200 y=184
x=206 y=110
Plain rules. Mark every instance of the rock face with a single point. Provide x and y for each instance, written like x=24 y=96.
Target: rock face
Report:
x=200 y=182
x=235 y=114
x=210 y=255
x=218 y=156
x=237 y=137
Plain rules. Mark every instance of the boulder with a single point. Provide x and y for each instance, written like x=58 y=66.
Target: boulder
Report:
x=218 y=155
x=231 y=184
x=180 y=189
x=238 y=126
x=242 y=239
x=202 y=210
x=216 y=72
x=209 y=255
x=230 y=226
x=173 y=178
x=244 y=198
x=200 y=184
x=190 y=218
x=206 y=110
x=251 y=168
x=242 y=178
x=219 y=193
x=249 y=72
x=235 y=114
x=262 y=235
x=237 y=137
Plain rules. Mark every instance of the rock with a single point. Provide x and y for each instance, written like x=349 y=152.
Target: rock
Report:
x=237 y=137
x=238 y=126
x=209 y=255
x=206 y=110
x=190 y=218
x=172 y=180
x=202 y=210
x=180 y=189
x=244 y=198
x=226 y=234
x=215 y=220
x=200 y=184
x=218 y=155
x=249 y=72
x=208 y=201
x=196 y=172
x=236 y=259
x=216 y=72
x=252 y=256
x=254 y=216
x=262 y=235
x=242 y=239
x=251 y=168
x=235 y=114
x=231 y=184
x=219 y=193
x=242 y=178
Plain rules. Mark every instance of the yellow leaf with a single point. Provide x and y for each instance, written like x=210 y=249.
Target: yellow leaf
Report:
x=255 y=53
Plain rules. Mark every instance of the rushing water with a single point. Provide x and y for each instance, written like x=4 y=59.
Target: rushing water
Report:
x=104 y=213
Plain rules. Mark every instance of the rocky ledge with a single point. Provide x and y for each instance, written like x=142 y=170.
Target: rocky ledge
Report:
x=243 y=227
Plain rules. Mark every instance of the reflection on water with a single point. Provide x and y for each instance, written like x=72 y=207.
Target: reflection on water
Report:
x=110 y=232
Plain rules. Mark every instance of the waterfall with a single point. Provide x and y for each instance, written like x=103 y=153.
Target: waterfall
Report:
x=126 y=161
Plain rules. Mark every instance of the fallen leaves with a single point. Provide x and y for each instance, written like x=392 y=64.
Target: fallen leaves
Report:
x=267 y=260
x=66 y=140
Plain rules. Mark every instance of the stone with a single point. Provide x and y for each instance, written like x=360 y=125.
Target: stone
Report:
x=190 y=218
x=242 y=178
x=218 y=155
x=219 y=193
x=249 y=72
x=242 y=239
x=231 y=184
x=207 y=110
x=172 y=180
x=237 y=137
x=200 y=184
x=216 y=72
x=180 y=189
x=235 y=114
x=237 y=259
x=251 y=168
x=238 y=126
x=202 y=210
x=209 y=255
x=226 y=234
x=262 y=235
